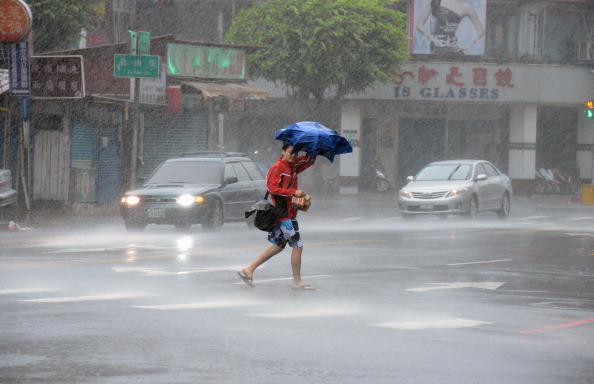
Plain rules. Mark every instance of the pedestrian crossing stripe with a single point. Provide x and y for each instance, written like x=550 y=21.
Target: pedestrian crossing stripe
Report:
x=432 y=324
x=83 y=298
x=201 y=305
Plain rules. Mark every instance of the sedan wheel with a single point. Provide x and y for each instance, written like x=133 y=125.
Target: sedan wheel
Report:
x=408 y=216
x=505 y=206
x=214 y=219
x=472 y=208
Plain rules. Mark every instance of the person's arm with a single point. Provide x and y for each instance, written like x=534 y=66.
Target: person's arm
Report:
x=478 y=26
x=421 y=27
x=304 y=162
x=273 y=184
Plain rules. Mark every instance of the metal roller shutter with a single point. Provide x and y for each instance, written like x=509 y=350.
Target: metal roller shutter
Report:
x=169 y=135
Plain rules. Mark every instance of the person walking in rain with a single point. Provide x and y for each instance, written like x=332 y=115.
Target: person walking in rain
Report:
x=281 y=182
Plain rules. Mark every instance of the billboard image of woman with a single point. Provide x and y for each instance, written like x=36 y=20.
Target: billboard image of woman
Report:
x=449 y=27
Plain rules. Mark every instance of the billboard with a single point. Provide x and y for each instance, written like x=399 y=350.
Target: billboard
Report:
x=57 y=77
x=448 y=27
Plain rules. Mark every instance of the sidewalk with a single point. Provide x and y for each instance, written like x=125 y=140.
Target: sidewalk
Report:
x=375 y=205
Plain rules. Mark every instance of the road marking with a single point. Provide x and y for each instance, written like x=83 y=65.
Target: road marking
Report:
x=578 y=219
x=432 y=324
x=556 y=327
x=579 y=234
x=485 y=285
x=283 y=278
x=25 y=290
x=83 y=298
x=201 y=305
x=480 y=262
x=171 y=256
x=530 y=218
x=155 y=272
x=308 y=314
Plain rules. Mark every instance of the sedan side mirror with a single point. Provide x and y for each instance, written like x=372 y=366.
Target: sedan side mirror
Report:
x=231 y=180
x=409 y=178
x=481 y=177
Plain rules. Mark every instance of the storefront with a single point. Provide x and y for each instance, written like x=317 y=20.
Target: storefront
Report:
x=517 y=116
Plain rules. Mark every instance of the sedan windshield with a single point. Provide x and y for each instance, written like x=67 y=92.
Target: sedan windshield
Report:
x=195 y=172
x=442 y=172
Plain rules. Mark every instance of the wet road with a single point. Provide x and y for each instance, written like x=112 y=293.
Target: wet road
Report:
x=432 y=301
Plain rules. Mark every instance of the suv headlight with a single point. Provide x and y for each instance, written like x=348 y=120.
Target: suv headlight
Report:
x=404 y=193
x=186 y=200
x=457 y=192
x=130 y=200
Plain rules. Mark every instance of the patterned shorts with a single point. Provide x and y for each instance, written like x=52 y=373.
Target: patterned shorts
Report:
x=286 y=231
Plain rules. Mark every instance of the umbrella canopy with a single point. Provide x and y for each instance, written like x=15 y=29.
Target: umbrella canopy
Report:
x=315 y=139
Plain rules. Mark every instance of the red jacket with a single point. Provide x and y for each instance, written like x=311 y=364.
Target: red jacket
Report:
x=281 y=182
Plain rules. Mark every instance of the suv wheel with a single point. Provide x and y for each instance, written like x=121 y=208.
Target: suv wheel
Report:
x=214 y=218
x=134 y=226
x=182 y=227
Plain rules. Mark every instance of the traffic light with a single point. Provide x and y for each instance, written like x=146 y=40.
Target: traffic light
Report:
x=589 y=111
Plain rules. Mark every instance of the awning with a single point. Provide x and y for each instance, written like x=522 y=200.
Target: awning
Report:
x=230 y=90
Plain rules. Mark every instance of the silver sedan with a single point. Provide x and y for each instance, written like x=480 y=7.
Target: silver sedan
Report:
x=463 y=187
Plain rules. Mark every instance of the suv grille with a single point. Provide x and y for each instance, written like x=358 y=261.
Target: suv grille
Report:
x=158 y=200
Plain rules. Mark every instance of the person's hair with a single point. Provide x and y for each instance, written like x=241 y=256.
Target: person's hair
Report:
x=435 y=4
x=286 y=145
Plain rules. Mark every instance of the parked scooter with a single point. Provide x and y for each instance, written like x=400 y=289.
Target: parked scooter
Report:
x=381 y=182
x=375 y=176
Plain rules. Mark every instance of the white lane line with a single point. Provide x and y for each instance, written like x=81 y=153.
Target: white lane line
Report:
x=530 y=218
x=437 y=286
x=579 y=234
x=25 y=290
x=282 y=279
x=578 y=219
x=308 y=314
x=432 y=324
x=201 y=305
x=481 y=262
x=83 y=298
x=159 y=272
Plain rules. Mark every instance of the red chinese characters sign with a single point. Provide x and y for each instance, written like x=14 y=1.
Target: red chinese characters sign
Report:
x=453 y=82
x=15 y=20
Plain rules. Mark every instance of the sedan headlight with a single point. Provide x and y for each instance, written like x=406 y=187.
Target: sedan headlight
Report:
x=186 y=200
x=457 y=192
x=404 y=193
x=130 y=200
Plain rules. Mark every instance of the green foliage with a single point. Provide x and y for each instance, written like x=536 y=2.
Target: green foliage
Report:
x=314 y=46
x=57 y=24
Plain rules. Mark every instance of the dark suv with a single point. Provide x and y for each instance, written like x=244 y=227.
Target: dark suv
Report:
x=197 y=188
x=8 y=195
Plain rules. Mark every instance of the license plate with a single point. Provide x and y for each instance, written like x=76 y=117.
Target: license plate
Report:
x=426 y=206
x=156 y=213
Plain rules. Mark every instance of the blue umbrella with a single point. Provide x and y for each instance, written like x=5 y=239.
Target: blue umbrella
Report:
x=315 y=139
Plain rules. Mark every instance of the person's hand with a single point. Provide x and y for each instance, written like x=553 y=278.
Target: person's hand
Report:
x=439 y=42
x=299 y=193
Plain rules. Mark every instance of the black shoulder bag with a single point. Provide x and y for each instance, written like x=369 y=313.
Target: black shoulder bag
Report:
x=265 y=214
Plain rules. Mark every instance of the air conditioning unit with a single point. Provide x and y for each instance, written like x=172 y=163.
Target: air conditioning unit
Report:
x=585 y=50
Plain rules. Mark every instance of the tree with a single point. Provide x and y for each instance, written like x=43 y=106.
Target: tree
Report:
x=57 y=24
x=316 y=46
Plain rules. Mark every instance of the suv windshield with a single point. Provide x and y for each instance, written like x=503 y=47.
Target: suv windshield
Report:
x=196 y=172
x=442 y=172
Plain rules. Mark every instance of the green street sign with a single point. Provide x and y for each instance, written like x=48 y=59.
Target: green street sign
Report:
x=135 y=66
